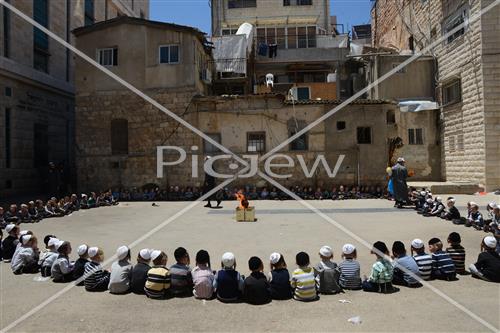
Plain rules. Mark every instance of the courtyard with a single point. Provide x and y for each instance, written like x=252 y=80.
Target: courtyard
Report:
x=283 y=226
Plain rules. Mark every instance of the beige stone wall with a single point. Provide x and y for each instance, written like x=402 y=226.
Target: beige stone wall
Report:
x=470 y=58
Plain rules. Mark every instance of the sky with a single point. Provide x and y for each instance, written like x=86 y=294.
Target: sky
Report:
x=196 y=13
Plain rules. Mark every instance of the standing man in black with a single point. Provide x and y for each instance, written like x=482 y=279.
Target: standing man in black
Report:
x=208 y=186
x=399 y=175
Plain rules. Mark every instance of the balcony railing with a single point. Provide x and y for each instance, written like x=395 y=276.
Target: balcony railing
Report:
x=231 y=68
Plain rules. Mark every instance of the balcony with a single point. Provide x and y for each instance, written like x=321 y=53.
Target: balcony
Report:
x=320 y=48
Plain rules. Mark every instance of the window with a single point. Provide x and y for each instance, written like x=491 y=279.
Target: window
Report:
x=40 y=146
x=452 y=92
x=297 y=2
x=340 y=125
x=461 y=16
x=119 y=136
x=8 y=91
x=6 y=32
x=7 y=138
x=89 y=12
x=364 y=135
x=303 y=93
x=241 y=3
x=300 y=143
x=256 y=142
x=415 y=136
x=169 y=54
x=460 y=142
x=210 y=148
x=390 y=117
x=40 y=39
x=108 y=57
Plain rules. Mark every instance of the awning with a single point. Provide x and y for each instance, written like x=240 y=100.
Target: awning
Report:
x=417 y=106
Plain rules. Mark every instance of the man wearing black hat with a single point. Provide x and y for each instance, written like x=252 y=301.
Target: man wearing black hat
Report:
x=398 y=176
x=208 y=186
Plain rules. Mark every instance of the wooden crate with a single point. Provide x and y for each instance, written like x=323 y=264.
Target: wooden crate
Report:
x=245 y=215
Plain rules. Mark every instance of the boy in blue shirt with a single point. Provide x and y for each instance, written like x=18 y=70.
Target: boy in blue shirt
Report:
x=228 y=283
x=402 y=260
x=443 y=267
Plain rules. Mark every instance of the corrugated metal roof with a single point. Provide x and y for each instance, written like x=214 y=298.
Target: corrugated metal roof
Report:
x=338 y=101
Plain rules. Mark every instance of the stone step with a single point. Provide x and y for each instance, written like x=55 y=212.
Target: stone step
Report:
x=448 y=187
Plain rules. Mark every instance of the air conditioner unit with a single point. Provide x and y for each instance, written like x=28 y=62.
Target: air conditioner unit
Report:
x=293 y=94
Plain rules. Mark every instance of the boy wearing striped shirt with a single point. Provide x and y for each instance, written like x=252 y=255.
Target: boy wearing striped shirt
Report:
x=303 y=282
x=350 y=277
x=158 y=281
x=442 y=265
x=456 y=252
x=180 y=274
x=96 y=279
x=424 y=260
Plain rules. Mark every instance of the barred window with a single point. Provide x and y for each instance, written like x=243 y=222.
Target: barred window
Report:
x=119 y=136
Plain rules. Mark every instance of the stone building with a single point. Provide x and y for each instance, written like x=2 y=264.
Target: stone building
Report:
x=467 y=77
x=37 y=86
x=117 y=131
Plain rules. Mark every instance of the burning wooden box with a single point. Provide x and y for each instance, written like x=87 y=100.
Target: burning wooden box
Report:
x=245 y=214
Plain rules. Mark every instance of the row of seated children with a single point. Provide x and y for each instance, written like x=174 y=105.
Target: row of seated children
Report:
x=428 y=206
x=176 y=193
x=35 y=211
x=228 y=285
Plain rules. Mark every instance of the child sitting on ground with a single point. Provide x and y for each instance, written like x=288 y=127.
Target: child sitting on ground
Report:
x=48 y=257
x=26 y=261
x=158 y=282
x=423 y=260
x=303 y=281
x=203 y=277
x=139 y=273
x=350 y=277
x=380 y=279
x=456 y=252
x=121 y=270
x=326 y=272
x=10 y=242
x=487 y=266
x=452 y=213
x=228 y=283
x=96 y=279
x=256 y=287
x=279 y=278
x=402 y=260
x=79 y=268
x=474 y=219
x=62 y=269
x=442 y=265
x=180 y=274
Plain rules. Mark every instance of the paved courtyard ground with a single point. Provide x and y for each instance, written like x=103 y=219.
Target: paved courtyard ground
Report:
x=286 y=227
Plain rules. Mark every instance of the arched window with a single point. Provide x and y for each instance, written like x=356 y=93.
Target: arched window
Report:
x=119 y=136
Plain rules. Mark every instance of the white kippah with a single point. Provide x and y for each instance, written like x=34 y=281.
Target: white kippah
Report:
x=490 y=242
x=52 y=241
x=25 y=239
x=58 y=244
x=348 y=249
x=417 y=243
x=274 y=258
x=326 y=251
x=155 y=254
x=93 y=251
x=228 y=259
x=82 y=249
x=23 y=232
x=122 y=252
x=145 y=254
x=9 y=227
